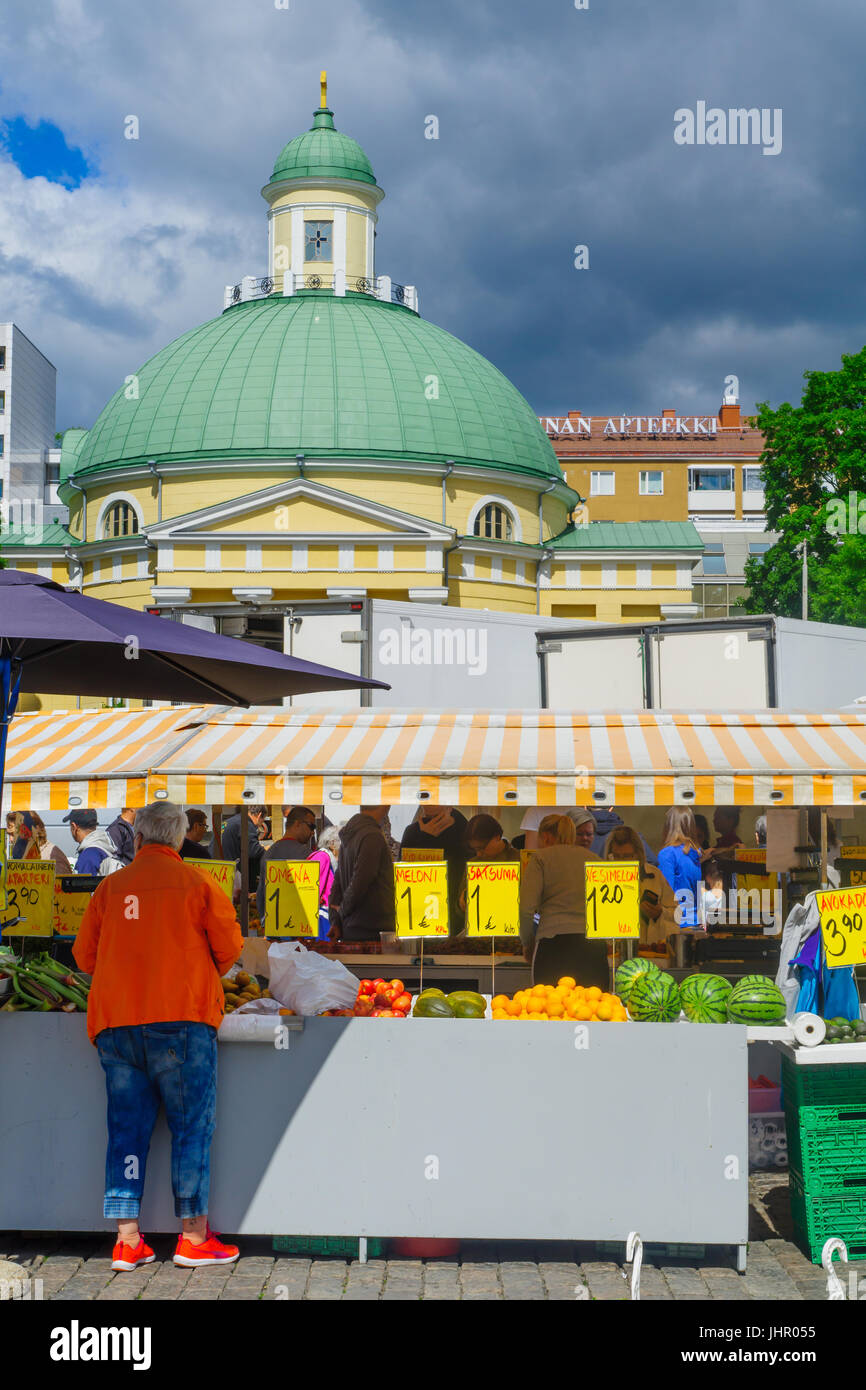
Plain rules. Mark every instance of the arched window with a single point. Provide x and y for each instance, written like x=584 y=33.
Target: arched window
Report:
x=494 y=522
x=121 y=519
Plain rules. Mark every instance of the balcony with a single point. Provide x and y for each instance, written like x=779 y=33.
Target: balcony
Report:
x=288 y=283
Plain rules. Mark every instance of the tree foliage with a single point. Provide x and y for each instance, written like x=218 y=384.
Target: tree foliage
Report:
x=814 y=471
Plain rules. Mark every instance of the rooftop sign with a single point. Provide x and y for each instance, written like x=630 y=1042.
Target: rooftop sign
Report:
x=677 y=425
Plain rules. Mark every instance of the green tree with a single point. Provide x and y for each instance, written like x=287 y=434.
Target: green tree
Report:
x=814 y=470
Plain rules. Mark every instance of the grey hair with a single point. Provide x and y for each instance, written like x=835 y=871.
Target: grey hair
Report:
x=330 y=839
x=162 y=823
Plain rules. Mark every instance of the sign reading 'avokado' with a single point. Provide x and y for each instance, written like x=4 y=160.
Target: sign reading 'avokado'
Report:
x=843 y=925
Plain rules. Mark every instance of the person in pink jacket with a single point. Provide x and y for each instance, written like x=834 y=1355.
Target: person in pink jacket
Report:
x=326 y=857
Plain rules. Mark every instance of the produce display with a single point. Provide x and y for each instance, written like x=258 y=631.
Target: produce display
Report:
x=461 y=1003
x=705 y=998
x=655 y=998
x=845 y=1030
x=756 y=999
x=380 y=999
x=242 y=988
x=630 y=971
x=43 y=985
x=566 y=1001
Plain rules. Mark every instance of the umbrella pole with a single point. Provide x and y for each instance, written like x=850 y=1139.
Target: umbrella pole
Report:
x=10 y=682
x=245 y=870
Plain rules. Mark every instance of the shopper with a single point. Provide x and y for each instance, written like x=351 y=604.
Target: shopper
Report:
x=40 y=847
x=326 y=855
x=657 y=903
x=96 y=851
x=761 y=832
x=607 y=820
x=231 y=841
x=715 y=913
x=299 y=837
x=725 y=822
x=584 y=829
x=486 y=843
x=703 y=831
x=362 y=897
x=196 y=829
x=532 y=818
x=442 y=828
x=156 y=937
x=680 y=861
x=121 y=834
x=553 y=909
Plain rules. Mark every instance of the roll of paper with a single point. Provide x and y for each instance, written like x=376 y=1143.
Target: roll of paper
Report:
x=809 y=1029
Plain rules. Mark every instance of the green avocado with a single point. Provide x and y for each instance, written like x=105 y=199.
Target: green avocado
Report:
x=425 y=993
x=459 y=996
x=832 y=1032
x=431 y=1006
x=466 y=1008
x=860 y=1028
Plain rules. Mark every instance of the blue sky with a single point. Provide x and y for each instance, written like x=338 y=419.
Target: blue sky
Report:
x=555 y=129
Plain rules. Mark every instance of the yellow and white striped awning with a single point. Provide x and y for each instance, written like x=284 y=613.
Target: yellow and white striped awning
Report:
x=215 y=756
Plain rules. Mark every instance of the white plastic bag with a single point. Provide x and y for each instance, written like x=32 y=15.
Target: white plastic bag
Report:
x=308 y=983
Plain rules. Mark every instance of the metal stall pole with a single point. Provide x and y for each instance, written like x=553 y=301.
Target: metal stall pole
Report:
x=823 y=848
x=245 y=870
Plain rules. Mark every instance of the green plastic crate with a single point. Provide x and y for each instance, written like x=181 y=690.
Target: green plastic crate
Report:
x=828 y=1117
x=818 y=1216
x=828 y=1160
x=335 y=1247
x=824 y=1085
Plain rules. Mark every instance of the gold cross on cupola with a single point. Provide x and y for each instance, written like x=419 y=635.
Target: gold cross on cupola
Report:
x=323 y=82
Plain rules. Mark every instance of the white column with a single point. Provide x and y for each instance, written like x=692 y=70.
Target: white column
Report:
x=340 y=243
x=297 y=241
x=383 y=288
x=371 y=260
x=340 y=283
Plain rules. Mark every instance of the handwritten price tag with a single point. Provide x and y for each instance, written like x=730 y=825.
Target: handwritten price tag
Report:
x=854 y=873
x=222 y=871
x=493 y=899
x=612 y=900
x=292 y=898
x=421 y=856
x=30 y=895
x=421 y=898
x=69 y=908
x=843 y=925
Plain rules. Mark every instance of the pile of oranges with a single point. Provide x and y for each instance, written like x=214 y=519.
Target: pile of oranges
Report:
x=564 y=1000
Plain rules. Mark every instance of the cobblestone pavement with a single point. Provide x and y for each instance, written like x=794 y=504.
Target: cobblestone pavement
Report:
x=74 y=1268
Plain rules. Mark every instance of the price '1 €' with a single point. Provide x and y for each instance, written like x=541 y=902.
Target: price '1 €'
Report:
x=843 y=926
x=421 y=899
x=292 y=898
x=493 y=898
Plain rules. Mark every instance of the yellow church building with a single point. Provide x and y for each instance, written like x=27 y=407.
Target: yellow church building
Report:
x=319 y=439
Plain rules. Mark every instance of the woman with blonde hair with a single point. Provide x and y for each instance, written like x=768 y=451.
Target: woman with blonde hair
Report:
x=556 y=830
x=657 y=903
x=553 y=908
x=680 y=861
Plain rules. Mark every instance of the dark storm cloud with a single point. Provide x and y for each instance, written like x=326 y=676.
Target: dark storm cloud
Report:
x=555 y=129
x=74 y=301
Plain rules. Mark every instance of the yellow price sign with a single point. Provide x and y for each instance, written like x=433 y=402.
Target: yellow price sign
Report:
x=493 y=898
x=222 y=871
x=858 y=875
x=420 y=856
x=843 y=926
x=421 y=899
x=30 y=895
x=69 y=908
x=612 y=900
x=292 y=897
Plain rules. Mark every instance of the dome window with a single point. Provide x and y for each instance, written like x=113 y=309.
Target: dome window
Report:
x=121 y=519
x=317 y=241
x=494 y=522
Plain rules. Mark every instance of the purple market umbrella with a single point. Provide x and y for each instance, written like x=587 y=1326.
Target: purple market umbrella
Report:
x=60 y=642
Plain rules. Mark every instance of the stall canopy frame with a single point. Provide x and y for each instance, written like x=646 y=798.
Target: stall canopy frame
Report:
x=216 y=755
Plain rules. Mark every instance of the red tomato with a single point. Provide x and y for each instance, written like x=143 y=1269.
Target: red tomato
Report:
x=397 y=986
x=367 y=987
x=403 y=1001
x=382 y=1000
x=363 y=1006
x=386 y=1013
x=378 y=985
x=377 y=1013
x=399 y=1013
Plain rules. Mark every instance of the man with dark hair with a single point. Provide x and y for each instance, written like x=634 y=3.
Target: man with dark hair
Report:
x=297 y=843
x=725 y=823
x=96 y=851
x=192 y=847
x=121 y=834
x=231 y=840
x=361 y=904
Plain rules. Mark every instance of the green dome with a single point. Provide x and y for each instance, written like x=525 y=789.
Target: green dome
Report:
x=322 y=152
x=326 y=376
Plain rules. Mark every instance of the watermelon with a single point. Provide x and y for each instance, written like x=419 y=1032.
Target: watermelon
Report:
x=705 y=998
x=756 y=999
x=655 y=998
x=629 y=972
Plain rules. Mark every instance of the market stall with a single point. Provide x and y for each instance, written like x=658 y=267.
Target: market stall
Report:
x=481 y=1131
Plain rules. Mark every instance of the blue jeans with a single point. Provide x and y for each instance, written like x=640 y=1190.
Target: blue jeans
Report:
x=175 y=1063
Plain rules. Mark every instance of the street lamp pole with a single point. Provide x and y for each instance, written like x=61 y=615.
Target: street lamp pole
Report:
x=804 y=586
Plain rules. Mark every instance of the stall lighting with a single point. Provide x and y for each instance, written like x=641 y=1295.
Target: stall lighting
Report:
x=248 y=796
x=776 y=796
x=161 y=795
x=335 y=796
x=511 y=796
x=423 y=796
x=75 y=801
x=688 y=796
x=599 y=796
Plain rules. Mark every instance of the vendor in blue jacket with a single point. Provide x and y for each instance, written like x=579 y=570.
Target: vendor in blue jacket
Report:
x=681 y=862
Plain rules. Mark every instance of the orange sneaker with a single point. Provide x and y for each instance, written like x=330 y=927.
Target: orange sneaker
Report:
x=126 y=1257
x=209 y=1252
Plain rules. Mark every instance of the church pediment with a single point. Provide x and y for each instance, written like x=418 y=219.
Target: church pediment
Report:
x=300 y=509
